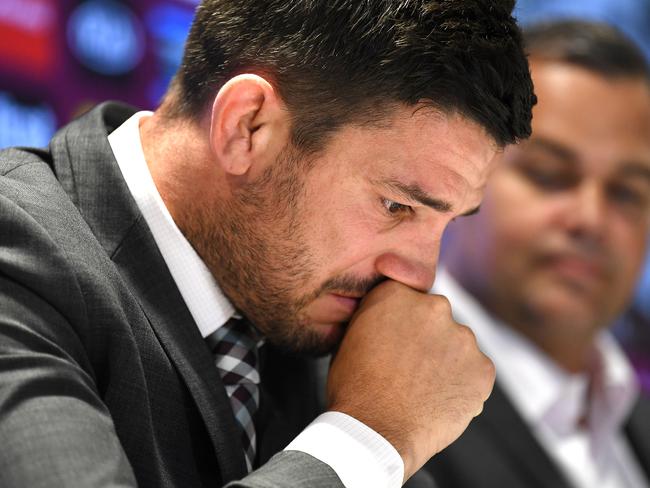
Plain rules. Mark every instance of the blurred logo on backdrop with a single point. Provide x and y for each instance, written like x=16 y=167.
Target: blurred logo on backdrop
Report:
x=27 y=30
x=24 y=123
x=168 y=25
x=106 y=37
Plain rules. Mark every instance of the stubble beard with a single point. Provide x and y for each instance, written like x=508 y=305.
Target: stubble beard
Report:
x=254 y=245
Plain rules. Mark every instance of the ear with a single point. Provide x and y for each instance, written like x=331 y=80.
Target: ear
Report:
x=249 y=125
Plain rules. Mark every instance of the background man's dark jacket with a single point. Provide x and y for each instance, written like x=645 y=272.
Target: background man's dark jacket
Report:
x=498 y=450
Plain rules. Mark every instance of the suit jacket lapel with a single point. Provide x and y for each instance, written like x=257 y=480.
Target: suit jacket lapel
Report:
x=84 y=163
x=140 y=262
x=509 y=430
x=289 y=400
x=638 y=433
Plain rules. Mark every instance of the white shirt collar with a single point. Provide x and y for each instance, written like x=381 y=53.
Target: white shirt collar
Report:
x=543 y=392
x=206 y=302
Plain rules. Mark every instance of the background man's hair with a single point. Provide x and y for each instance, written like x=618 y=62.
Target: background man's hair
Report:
x=594 y=46
x=350 y=61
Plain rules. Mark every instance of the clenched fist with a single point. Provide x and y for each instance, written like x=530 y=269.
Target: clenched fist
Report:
x=409 y=372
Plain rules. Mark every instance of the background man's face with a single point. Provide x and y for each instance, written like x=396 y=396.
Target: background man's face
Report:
x=304 y=246
x=562 y=232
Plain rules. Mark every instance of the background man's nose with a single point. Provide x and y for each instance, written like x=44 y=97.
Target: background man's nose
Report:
x=587 y=215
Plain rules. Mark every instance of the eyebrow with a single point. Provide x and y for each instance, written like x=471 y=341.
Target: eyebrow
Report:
x=636 y=169
x=414 y=193
x=629 y=169
x=558 y=150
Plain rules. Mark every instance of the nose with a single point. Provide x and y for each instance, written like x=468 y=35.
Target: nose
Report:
x=587 y=216
x=415 y=270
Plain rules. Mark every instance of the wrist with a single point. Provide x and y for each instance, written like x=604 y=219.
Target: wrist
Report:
x=359 y=455
x=396 y=437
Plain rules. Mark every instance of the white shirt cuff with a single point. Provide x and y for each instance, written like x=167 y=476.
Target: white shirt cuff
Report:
x=360 y=456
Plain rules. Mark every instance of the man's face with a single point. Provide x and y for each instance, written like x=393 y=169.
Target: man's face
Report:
x=298 y=249
x=563 y=228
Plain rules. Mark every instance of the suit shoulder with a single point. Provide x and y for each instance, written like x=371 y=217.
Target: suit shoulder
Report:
x=14 y=158
x=30 y=255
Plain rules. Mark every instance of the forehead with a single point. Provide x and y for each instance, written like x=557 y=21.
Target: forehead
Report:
x=424 y=145
x=603 y=121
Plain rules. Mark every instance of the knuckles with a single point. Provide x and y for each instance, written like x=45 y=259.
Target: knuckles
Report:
x=439 y=304
x=466 y=335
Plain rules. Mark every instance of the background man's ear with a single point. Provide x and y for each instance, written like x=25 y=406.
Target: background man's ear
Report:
x=249 y=125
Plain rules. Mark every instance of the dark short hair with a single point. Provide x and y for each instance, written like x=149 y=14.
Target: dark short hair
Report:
x=595 y=46
x=345 y=61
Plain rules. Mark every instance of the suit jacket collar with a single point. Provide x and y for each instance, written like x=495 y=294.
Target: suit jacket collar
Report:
x=637 y=430
x=85 y=167
x=505 y=425
x=84 y=163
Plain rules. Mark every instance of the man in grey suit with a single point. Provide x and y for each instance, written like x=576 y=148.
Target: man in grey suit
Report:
x=164 y=277
x=558 y=247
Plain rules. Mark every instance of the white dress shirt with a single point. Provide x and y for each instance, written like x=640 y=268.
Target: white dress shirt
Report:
x=360 y=456
x=552 y=401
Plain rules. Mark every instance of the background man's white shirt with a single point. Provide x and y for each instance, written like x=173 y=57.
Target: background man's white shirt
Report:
x=552 y=401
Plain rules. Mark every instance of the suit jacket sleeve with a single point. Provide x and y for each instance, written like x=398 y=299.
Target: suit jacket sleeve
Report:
x=291 y=469
x=55 y=429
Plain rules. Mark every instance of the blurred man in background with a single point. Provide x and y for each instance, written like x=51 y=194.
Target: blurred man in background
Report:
x=164 y=277
x=548 y=265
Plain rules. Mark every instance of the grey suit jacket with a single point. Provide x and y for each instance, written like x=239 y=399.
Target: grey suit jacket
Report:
x=498 y=450
x=104 y=377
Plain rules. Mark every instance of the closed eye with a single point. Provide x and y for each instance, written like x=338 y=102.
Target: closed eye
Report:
x=394 y=208
x=628 y=196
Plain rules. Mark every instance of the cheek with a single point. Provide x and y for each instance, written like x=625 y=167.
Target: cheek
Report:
x=519 y=218
x=628 y=243
x=342 y=239
x=340 y=217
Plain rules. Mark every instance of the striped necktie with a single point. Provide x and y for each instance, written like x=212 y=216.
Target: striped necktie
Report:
x=235 y=353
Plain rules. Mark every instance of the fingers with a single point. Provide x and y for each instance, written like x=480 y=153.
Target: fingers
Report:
x=410 y=372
